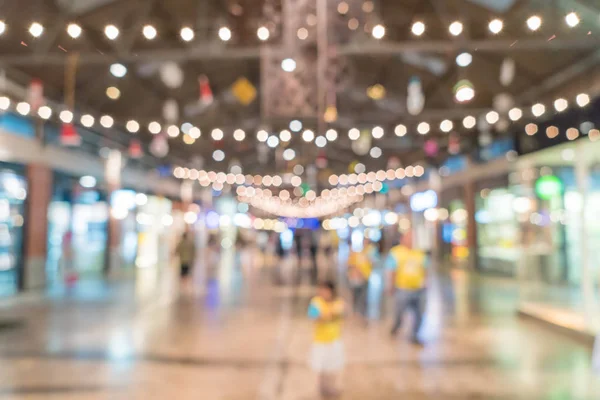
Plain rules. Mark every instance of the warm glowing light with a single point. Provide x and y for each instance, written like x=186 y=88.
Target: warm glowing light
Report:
x=331 y=135
x=74 y=30
x=308 y=135
x=132 y=126
x=515 y=114
x=218 y=155
x=353 y=134
x=538 y=109
x=45 y=112
x=446 y=125
x=378 y=31
x=87 y=120
x=492 y=117
x=469 y=122
x=583 y=99
x=263 y=33
x=561 y=105
x=107 y=121
x=4 y=103
x=534 y=23
x=377 y=132
x=464 y=59
x=224 y=33
x=495 y=26
x=187 y=34
x=154 y=128
x=572 y=19
x=36 y=29
x=111 y=32
x=531 y=129
x=113 y=93
x=23 y=108
x=66 y=116
x=418 y=28
x=239 y=135
x=173 y=131
x=288 y=65
x=285 y=135
x=423 y=128
x=262 y=135
x=149 y=32
x=455 y=28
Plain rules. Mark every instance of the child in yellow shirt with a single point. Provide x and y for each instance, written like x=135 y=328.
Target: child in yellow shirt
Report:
x=327 y=357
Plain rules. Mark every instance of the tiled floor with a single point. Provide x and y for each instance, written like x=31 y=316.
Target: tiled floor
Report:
x=244 y=338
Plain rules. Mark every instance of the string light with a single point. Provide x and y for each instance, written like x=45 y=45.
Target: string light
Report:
x=45 y=112
x=534 y=23
x=2 y=27
x=492 y=117
x=456 y=28
x=469 y=122
x=583 y=99
x=418 y=28
x=224 y=33
x=154 y=128
x=87 y=120
x=375 y=152
x=285 y=135
x=173 y=131
x=111 y=32
x=36 y=29
x=4 y=103
x=446 y=125
x=289 y=154
x=217 y=134
x=107 y=121
x=515 y=114
x=377 y=132
x=320 y=141
x=113 y=93
x=423 y=128
x=263 y=33
x=239 y=135
x=495 y=26
x=353 y=134
x=378 y=31
x=149 y=32
x=561 y=105
x=331 y=135
x=273 y=141
x=400 y=130
x=464 y=59
x=118 y=70
x=23 y=108
x=302 y=33
x=262 y=135
x=572 y=19
x=74 y=30
x=66 y=116
x=187 y=34
x=195 y=132
x=132 y=126
x=308 y=135
x=295 y=126
x=288 y=65
x=218 y=155
x=538 y=109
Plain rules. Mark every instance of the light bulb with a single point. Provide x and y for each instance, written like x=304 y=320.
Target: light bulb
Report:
x=331 y=135
x=492 y=117
x=496 y=26
x=400 y=130
x=217 y=134
x=378 y=31
x=36 y=29
x=45 y=112
x=464 y=59
x=583 y=99
x=118 y=70
x=353 y=134
x=423 y=128
x=538 y=109
x=2 y=27
x=418 y=28
x=132 y=126
x=534 y=23
x=572 y=19
x=224 y=33
x=87 y=120
x=515 y=114
x=154 y=128
x=288 y=65
x=285 y=135
x=456 y=28
x=561 y=105
x=321 y=141
x=469 y=122
x=308 y=135
x=187 y=34
x=377 y=132
x=262 y=135
x=111 y=32
x=23 y=108
x=239 y=135
x=74 y=30
x=107 y=121
x=149 y=32
x=66 y=116
x=446 y=125
x=263 y=33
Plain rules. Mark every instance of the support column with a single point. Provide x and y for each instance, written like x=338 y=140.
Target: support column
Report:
x=469 y=198
x=39 y=183
x=112 y=176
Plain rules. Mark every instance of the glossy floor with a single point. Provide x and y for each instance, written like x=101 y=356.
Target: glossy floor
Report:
x=246 y=338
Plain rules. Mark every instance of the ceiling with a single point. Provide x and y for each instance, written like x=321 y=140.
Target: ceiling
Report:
x=335 y=65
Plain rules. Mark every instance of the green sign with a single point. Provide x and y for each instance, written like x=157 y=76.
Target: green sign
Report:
x=548 y=186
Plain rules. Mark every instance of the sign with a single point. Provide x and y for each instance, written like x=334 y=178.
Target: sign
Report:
x=548 y=186
x=244 y=91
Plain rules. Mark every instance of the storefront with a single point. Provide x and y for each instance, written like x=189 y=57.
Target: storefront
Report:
x=453 y=227
x=13 y=194
x=153 y=220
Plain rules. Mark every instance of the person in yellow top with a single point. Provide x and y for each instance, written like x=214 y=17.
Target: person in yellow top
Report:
x=327 y=356
x=408 y=272
x=360 y=266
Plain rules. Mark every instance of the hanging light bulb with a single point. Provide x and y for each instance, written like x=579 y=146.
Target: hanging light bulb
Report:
x=2 y=27
x=187 y=34
x=111 y=32
x=149 y=32
x=263 y=33
x=538 y=109
x=132 y=126
x=418 y=28
x=74 y=30
x=378 y=31
x=534 y=23
x=107 y=121
x=154 y=128
x=36 y=29
x=469 y=122
x=455 y=28
x=495 y=26
x=572 y=19
x=224 y=33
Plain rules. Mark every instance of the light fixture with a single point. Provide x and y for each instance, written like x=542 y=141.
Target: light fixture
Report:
x=74 y=30
x=561 y=105
x=263 y=33
x=377 y=132
x=285 y=135
x=464 y=91
x=464 y=59
x=302 y=33
x=343 y=8
x=113 y=93
x=107 y=121
x=378 y=31
x=308 y=135
x=132 y=126
x=572 y=19
x=217 y=134
x=538 y=109
x=288 y=65
x=515 y=114
x=218 y=155
x=2 y=27
x=295 y=126
x=418 y=28
x=154 y=128
x=532 y=129
x=331 y=135
x=455 y=28
x=375 y=152
x=495 y=26
x=36 y=29
x=118 y=70
x=469 y=122
x=353 y=134
x=111 y=32
x=23 y=108
x=273 y=141
x=4 y=103
x=187 y=34
x=239 y=135
x=353 y=24
x=262 y=135
x=423 y=128
x=45 y=112
x=400 y=130
x=572 y=133
x=195 y=132
x=173 y=131
x=492 y=117
x=66 y=116
x=446 y=125
x=185 y=127
x=224 y=33
x=149 y=32
x=289 y=154
x=534 y=23
x=583 y=99
x=87 y=120
x=320 y=141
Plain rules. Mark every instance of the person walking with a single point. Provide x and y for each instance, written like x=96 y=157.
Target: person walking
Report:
x=186 y=251
x=360 y=266
x=408 y=278
x=326 y=309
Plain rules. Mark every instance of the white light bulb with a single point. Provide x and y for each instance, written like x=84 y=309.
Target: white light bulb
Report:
x=217 y=134
x=572 y=19
x=418 y=28
x=561 y=105
x=400 y=130
x=187 y=34
x=308 y=135
x=195 y=132
x=173 y=131
x=262 y=135
x=87 y=120
x=66 y=116
x=495 y=26
x=378 y=32
x=377 y=132
x=45 y=112
x=132 y=126
x=464 y=94
x=353 y=134
x=464 y=59
x=456 y=28
x=107 y=121
x=118 y=70
x=273 y=141
x=469 y=122
x=111 y=32
x=154 y=128
x=515 y=114
x=295 y=126
x=74 y=30
x=423 y=128
x=321 y=141
x=538 y=109
x=289 y=154
x=218 y=155
x=492 y=117
x=263 y=33
x=534 y=23
x=331 y=135
x=23 y=108
x=149 y=32
x=375 y=152
x=239 y=135
x=583 y=99
x=224 y=33
x=2 y=27
x=285 y=135
x=446 y=125
x=288 y=65
x=36 y=29
x=4 y=103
